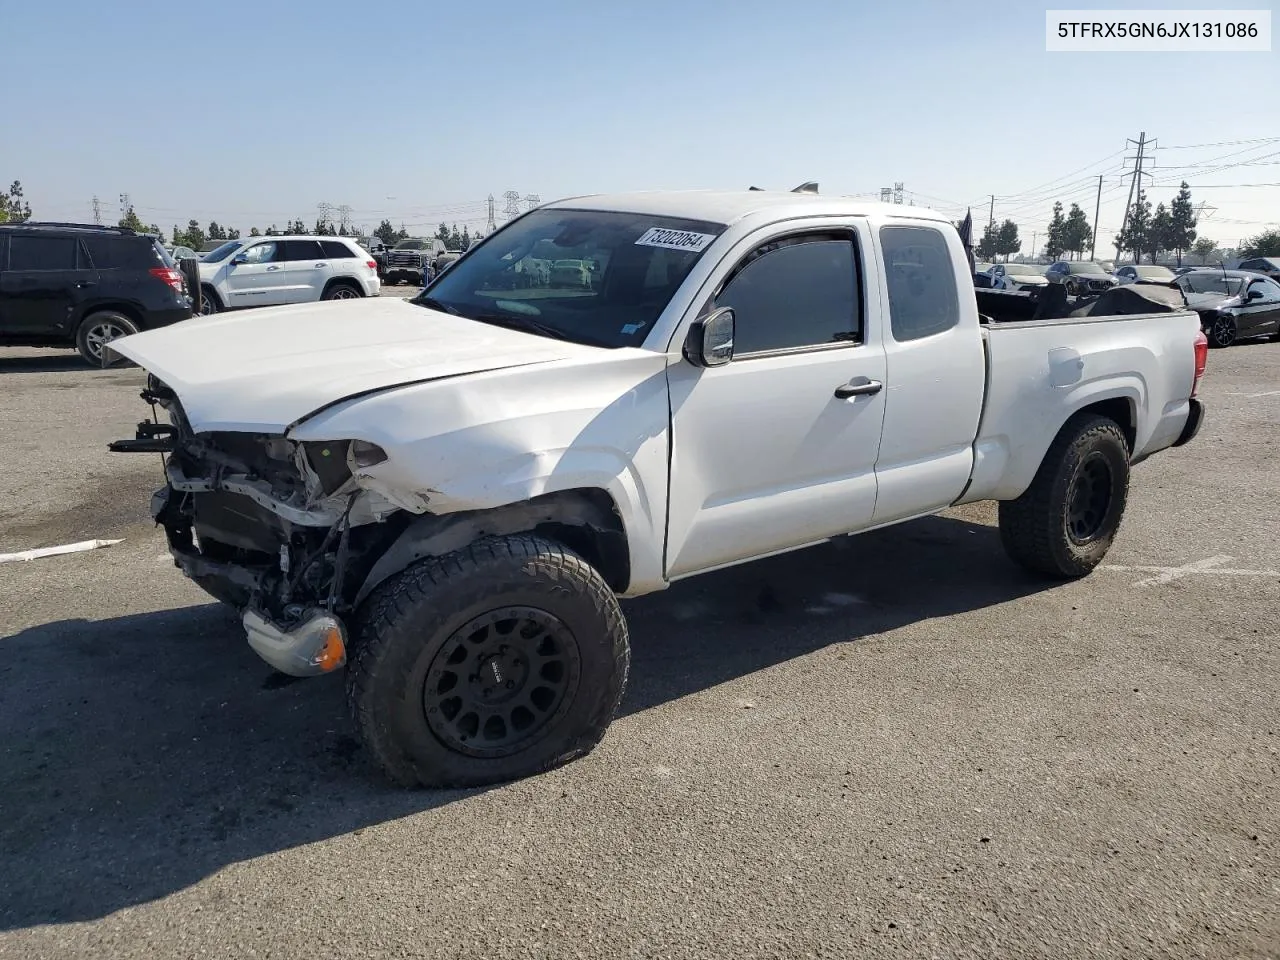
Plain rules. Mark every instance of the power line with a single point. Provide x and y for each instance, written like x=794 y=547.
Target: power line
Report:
x=1220 y=143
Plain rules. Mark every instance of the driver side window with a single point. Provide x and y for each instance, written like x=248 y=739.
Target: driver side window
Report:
x=261 y=253
x=795 y=293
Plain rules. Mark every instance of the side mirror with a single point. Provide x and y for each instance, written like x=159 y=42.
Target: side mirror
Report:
x=239 y=258
x=1256 y=294
x=710 y=340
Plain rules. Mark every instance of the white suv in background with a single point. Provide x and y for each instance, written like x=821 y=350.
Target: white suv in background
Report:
x=267 y=271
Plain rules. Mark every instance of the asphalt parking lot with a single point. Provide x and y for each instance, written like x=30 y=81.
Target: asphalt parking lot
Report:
x=900 y=746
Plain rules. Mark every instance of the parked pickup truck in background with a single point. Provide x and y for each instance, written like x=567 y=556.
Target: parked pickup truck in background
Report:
x=448 y=495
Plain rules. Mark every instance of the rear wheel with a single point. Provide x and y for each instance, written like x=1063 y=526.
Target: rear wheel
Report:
x=342 y=291
x=98 y=330
x=501 y=660
x=1065 y=522
x=1222 y=332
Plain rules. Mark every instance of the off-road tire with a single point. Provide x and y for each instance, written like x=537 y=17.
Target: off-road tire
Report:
x=1035 y=528
x=89 y=335
x=413 y=616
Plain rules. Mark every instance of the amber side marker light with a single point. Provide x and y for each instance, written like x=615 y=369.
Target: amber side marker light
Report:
x=333 y=652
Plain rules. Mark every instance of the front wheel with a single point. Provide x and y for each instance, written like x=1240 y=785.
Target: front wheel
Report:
x=501 y=660
x=1065 y=522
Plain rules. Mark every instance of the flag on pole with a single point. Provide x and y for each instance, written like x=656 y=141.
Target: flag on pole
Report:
x=966 y=237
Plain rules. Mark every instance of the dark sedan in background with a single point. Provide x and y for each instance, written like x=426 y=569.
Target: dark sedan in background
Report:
x=1233 y=304
x=1080 y=277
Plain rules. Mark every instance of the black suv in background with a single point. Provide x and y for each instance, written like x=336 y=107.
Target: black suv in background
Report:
x=80 y=285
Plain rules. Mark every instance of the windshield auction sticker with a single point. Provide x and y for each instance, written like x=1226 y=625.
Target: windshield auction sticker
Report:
x=674 y=239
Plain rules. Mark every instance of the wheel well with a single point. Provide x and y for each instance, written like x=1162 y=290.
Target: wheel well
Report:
x=128 y=310
x=1119 y=409
x=342 y=282
x=210 y=292
x=586 y=520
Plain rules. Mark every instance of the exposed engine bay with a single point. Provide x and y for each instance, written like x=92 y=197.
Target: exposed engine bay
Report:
x=260 y=521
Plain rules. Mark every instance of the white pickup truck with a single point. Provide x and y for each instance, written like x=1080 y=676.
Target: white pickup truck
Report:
x=448 y=495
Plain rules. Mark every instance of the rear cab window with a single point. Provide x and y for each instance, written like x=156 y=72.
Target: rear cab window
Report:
x=921 y=282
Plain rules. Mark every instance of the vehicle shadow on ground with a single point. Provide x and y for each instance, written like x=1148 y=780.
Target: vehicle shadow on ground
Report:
x=70 y=362
x=143 y=753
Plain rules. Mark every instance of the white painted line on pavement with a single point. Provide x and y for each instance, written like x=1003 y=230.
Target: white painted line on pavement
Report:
x=1213 y=566
x=36 y=554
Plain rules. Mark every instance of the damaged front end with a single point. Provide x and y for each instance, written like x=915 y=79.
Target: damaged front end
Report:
x=285 y=532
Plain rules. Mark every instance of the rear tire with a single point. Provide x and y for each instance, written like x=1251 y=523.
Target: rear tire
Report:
x=1222 y=332
x=342 y=291
x=1065 y=522
x=501 y=660
x=101 y=328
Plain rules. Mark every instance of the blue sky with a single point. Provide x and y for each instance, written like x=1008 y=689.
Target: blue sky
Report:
x=253 y=113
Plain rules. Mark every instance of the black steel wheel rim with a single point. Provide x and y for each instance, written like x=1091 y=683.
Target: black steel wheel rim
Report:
x=501 y=682
x=1089 y=501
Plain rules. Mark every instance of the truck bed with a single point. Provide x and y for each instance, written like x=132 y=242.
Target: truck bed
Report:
x=1139 y=366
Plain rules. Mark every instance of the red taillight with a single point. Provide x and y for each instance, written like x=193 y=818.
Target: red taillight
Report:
x=172 y=277
x=371 y=264
x=1202 y=359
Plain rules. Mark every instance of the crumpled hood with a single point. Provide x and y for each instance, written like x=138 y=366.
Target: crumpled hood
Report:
x=263 y=369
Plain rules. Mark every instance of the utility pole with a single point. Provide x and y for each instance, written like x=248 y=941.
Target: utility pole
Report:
x=991 y=218
x=1034 y=255
x=97 y=209
x=1093 y=246
x=492 y=224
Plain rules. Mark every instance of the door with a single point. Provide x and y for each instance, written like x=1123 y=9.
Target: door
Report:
x=256 y=276
x=937 y=372
x=47 y=279
x=768 y=453
x=308 y=270
x=1259 y=312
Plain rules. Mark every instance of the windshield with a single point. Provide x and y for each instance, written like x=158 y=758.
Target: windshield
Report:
x=1154 y=273
x=218 y=254
x=412 y=245
x=1023 y=270
x=596 y=277
x=1206 y=282
x=1084 y=267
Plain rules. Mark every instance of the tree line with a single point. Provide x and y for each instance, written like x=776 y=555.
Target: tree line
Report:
x=453 y=239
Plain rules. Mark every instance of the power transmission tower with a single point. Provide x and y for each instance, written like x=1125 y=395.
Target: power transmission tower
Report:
x=492 y=225
x=532 y=200
x=897 y=192
x=326 y=213
x=512 y=208
x=886 y=194
x=1143 y=145
x=344 y=218
x=125 y=205
x=97 y=209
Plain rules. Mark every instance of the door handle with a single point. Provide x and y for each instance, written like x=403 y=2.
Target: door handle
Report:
x=321 y=264
x=862 y=387
x=86 y=283
x=272 y=268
